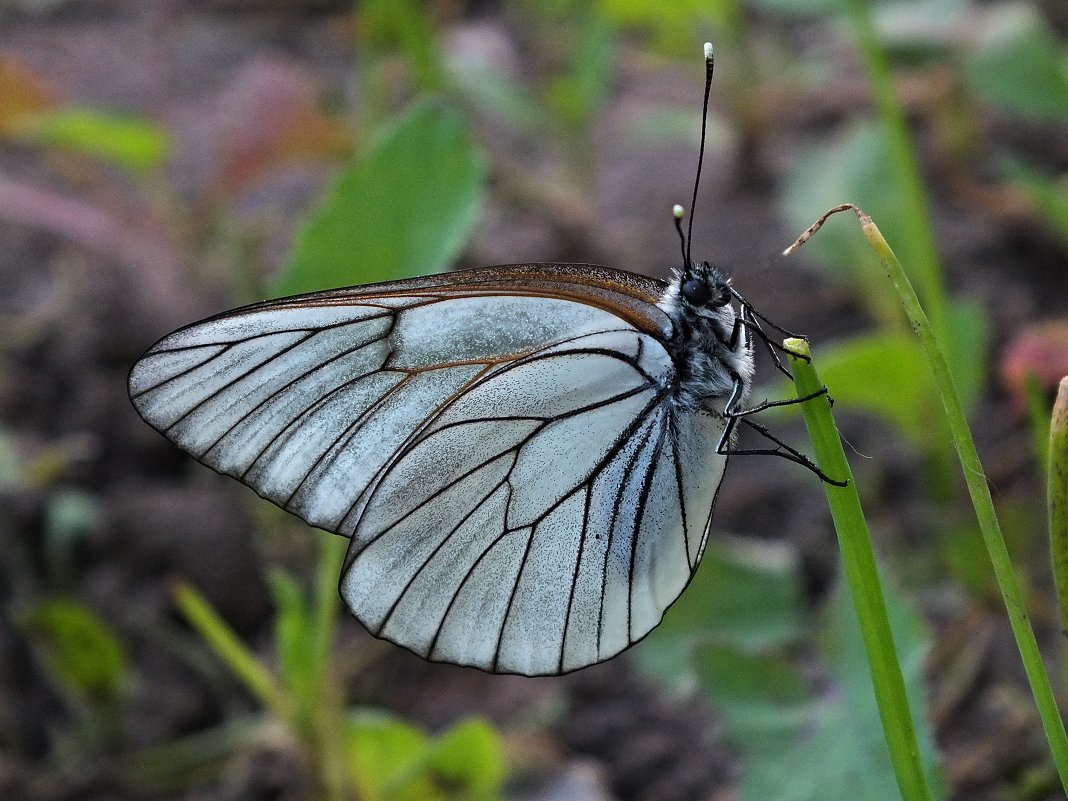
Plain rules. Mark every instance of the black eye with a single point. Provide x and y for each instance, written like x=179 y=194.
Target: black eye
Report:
x=696 y=291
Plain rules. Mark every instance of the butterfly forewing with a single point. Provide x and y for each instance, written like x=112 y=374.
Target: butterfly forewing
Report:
x=500 y=444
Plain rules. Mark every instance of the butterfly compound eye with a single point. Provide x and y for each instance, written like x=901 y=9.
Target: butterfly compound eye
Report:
x=696 y=291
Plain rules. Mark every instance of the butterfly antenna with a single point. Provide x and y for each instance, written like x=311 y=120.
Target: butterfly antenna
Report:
x=701 y=150
x=678 y=212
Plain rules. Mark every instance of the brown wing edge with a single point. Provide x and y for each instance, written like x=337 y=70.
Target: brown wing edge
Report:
x=629 y=296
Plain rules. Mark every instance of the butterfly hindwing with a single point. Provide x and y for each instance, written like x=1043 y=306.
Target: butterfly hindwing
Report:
x=537 y=524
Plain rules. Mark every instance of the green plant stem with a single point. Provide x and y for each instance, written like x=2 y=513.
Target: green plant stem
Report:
x=1057 y=498
x=328 y=717
x=862 y=577
x=232 y=651
x=980 y=493
x=327 y=600
x=902 y=161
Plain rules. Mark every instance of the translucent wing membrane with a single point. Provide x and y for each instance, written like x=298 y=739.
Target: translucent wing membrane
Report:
x=545 y=519
x=501 y=446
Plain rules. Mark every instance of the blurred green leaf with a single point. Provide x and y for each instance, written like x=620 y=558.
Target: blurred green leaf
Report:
x=470 y=755
x=381 y=748
x=746 y=594
x=1020 y=66
x=672 y=25
x=577 y=95
x=500 y=96
x=964 y=556
x=395 y=761
x=403 y=25
x=1048 y=193
x=762 y=698
x=237 y=656
x=131 y=142
x=79 y=649
x=884 y=374
x=293 y=638
x=405 y=207
x=844 y=755
x=855 y=167
x=967 y=349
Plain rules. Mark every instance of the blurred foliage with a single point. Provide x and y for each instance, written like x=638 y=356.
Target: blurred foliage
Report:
x=386 y=29
x=753 y=593
x=127 y=141
x=840 y=751
x=853 y=165
x=860 y=369
x=1047 y=192
x=395 y=761
x=406 y=203
x=735 y=635
x=576 y=95
x=70 y=516
x=79 y=650
x=367 y=753
x=1019 y=50
x=404 y=207
x=302 y=693
x=672 y=25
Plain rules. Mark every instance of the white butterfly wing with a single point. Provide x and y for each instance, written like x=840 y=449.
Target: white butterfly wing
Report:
x=522 y=496
x=301 y=404
x=545 y=519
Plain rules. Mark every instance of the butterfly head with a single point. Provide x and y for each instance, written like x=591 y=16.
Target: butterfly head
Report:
x=703 y=286
x=709 y=351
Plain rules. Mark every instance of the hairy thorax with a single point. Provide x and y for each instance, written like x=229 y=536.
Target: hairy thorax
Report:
x=708 y=368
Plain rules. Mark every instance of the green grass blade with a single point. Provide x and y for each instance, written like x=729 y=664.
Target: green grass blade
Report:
x=327 y=600
x=903 y=161
x=329 y=724
x=975 y=478
x=231 y=650
x=863 y=579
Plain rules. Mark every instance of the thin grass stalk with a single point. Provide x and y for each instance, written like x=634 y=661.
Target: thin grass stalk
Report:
x=862 y=576
x=229 y=648
x=329 y=716
x=903 y=161
x=975 y=478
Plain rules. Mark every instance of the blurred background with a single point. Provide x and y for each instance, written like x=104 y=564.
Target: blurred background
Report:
x=165 y=634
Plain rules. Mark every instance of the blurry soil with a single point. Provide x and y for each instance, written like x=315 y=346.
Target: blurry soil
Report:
x=93 y=270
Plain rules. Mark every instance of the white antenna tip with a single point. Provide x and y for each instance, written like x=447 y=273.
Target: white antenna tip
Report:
x=678 y=211
x=708 y=51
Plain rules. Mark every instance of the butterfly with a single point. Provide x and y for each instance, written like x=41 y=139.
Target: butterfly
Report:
x=525 y=458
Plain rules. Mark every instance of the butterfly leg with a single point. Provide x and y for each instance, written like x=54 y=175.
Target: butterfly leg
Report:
x=733 y=415
x=751 y=319
x=774 y=404
x=747 y=320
